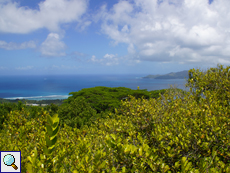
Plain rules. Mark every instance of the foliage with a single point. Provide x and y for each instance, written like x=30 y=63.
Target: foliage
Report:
x=5 y=109
x=56 y=102
x=172 y=133
x=79 y=109
x=77 y=113
x=214 y=80
x=107 y=99
x=52 y=128
x=52 y=108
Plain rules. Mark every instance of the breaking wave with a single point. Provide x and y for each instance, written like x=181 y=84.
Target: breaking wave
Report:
x=50 y=97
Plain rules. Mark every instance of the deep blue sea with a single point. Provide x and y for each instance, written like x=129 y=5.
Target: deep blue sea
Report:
x=59 y=86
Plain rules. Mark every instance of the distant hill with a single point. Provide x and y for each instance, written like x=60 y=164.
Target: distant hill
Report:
x=172 y=75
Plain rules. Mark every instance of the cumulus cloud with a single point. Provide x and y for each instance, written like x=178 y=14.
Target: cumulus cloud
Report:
x=53 y=46
x=50 y=14
x=24 y=68
x=15 y=46
x=182 y=31
x=108 y=60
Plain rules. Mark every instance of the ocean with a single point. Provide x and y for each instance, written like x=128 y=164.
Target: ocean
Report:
x=59 y=86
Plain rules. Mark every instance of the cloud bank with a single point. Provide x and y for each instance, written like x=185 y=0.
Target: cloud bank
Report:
x=51 y=14
x=183 y=31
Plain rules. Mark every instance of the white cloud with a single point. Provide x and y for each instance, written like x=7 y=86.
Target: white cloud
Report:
x=53 y=46
x=108 y=60
x=51 y=14
x=131 y=49
x=183 y=31
x=109 y=56
x=24 y=68
x=15 y=46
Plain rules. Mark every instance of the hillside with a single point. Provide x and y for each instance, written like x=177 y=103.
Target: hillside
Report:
x=172 y=75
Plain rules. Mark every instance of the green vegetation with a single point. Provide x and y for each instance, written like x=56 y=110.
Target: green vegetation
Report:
x=107 y=99
x=76 y=113
x=87 y=105
x=100 y=131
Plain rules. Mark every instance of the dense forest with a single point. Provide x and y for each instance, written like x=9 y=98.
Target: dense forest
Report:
x=104 y=129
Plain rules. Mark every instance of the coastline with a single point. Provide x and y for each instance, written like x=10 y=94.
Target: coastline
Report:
x=59 y=87
x=39 y=98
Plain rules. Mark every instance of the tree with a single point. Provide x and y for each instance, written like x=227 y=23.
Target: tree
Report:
x=214 y=79
x=107 y=99
x=77 y=113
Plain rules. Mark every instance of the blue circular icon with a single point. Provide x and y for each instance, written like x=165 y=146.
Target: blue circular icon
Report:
x=9 y=159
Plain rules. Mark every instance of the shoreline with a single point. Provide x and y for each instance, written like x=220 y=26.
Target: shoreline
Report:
x=40 y=98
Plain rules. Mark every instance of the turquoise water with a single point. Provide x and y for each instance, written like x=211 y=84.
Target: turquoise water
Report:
x=59 y=86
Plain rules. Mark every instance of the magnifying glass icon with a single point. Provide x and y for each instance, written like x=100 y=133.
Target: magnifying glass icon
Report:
x=9 y=160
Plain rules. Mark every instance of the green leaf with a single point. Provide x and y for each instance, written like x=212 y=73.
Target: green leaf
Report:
x=46 y=151
x=50 y=120
x=55 y=118
x=113 y=169
x=177 y=164
x=183 y=164
x=30 y=159
x=228 y=169
x=29 y=168
x=55 y=131
x=140 y=152
x=55 y=125
x=86 y=158
x=123 y=169
x=51 y=148
x=113 y=136
x=48 y=142
x=49 y=130
x=102 y=165
x=54 y=140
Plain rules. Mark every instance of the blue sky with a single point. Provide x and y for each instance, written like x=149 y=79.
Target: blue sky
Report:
x=112 y=37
